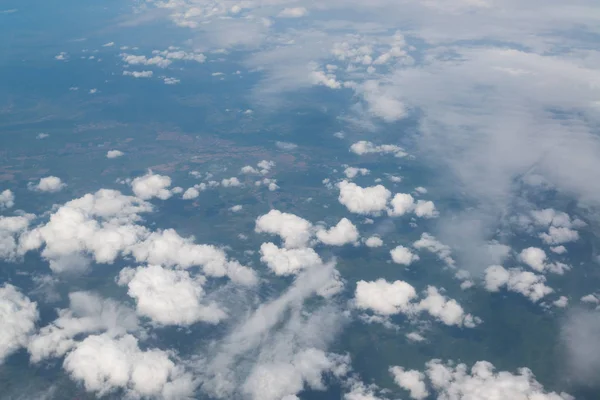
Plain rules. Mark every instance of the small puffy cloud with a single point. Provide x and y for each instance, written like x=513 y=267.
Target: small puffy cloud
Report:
x=157 y=60
x=190 y=193
x=171 y=81
x=231 y=182
x=534 y=257
x=7 y=199
x=343 y=233
x=323 y=79
x=293 y=12
x=105 y=364
x=18 y=315
x=114 y=154
x=516 y=280
x=446 y=310
x=558 y=249
x=352 y=172
x=288 y=261
x=374 y=241
x=561 y=302
x=236 y=208
x=295 y=231
x=151 y=185
x=591 y=299
x=384 y=298
x=50 y=184
x=402 y=255
x=109 y=44
x=169 y=297
x=559 y=235
x=87 y=313
x=365 y=147
x=455 y=381
x=401 y=203
x=42 y=136
x=425 y=209
x=411 y=380
x=359 y=200
x=139 y=74
x=430 y=243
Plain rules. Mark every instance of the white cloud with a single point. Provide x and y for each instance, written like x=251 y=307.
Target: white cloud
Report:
x=366 y=147
x=288 y=261
x=446 y=310
x=401 y=203
x=159 y=61
x=109 y=44
x=352 y=172
x=114 y=154
x=343 y=233
x=430 y=243
x=169 y=297
x=561 y=302
x=18 y=315
x=374 y=241
x=359 y=200
x=104 y=364
x=385 y=298
x=151 y=185
x=7 y=199
x=87 y=313
x=402 y=255
x=534 y=257
x=171 y=81
x=527 y=283
x=425 y=209
x=231 y=182
x=411 y=380
x=139 y=74
x=455 y=381
x=50 y=184
x=287 y=146
x=293 y=12
x=559 y=235
x=190 y=193
x=236 y=208
x=295 y=231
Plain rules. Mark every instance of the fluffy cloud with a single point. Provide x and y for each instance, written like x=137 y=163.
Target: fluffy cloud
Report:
x=387 y=299
x=138 y=74
x=365 y=147
x=7 y=199
x=169 y=297
x=359 y=200
x=352 y=172
x=288 y=261
x=516 y=280
x=402 y=255
x=104 y=364
x=383 y=297
x=114 y=154
x=455 y=382
x=374 y=241
x=430 y=243
x=230 y=182
x=295 y=231
x=50 y=184
x=87 y=313
x=536 y=258
x=11 y=230
x=18 y=315
x=151 y=185
x=343 y=233
x=412 y=381
x=403 y=203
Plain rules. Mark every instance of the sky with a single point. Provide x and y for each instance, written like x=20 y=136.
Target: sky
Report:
x=289 y=199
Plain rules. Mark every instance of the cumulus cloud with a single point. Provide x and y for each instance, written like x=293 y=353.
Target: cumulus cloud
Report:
x=18 y=315
x=104 y=364
x=366 y=147
x=138 y=74
x=411 y=380
x=288 y=261
x=403 y=203
x=385 y=299
x=11 y=230
x=231 y=182
x=50 y=184
x=343 y=233
x=87 y=313
x=114 y=154
x=7 y=199
x=151 y=185
x=374 y=241
x=352 y=172
x=295 y=231
x=536 y=258
x=430 y=243
x=516 y=280
x=169 y=297
x=370 y=200
x=402 y=255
